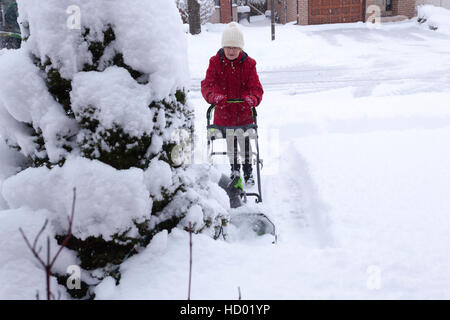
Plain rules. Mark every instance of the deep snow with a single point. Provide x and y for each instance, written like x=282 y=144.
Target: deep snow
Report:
x=354 y=127
x=354 y=131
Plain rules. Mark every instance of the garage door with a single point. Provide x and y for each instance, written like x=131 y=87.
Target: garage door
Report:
x=335 y=11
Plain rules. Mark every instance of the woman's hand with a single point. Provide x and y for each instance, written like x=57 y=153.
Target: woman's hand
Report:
x=251 y=101
x=218 y=99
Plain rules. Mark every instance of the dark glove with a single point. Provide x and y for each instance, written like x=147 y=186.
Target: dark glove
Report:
x=218 y=99
x=251 y=101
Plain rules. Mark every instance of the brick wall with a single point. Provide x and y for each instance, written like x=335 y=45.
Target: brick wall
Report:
x=235 y=12
x=290 y=12
x=217 y=15
x=399 y=7
x=404 y=7
x=302 y=12
x=225 y=11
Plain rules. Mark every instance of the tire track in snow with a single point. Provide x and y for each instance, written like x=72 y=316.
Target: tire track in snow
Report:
x=295 y=204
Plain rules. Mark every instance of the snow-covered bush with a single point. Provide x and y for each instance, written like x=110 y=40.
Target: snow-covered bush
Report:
x=436 y=18
x=207 y=8
x=100 y=106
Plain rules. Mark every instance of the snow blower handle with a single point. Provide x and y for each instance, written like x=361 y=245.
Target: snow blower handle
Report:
x=211 y=108
x=241 y=101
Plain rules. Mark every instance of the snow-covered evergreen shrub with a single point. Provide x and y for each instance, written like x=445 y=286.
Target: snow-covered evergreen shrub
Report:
x=100 y=108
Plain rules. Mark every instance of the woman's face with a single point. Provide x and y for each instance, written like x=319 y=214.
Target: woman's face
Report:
x=232 y=52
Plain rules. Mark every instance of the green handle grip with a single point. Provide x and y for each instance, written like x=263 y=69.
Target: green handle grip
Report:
x=235 y=100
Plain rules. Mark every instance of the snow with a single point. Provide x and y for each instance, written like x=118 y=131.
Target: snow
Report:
x=27 y=111
x=21 y=276
x=51 y=36
x=3 y=51
x=32 y=103
x=242 y=9
x=194 y=218
x=207 y=9
x=356 y=181
x=102 y=208
x=10 y=161
x=256 y=1
x=157 y=176
x=435 y=17
x=354 y=131
x=118 y=91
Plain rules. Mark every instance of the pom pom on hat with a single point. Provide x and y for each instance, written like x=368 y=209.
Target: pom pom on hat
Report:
x=232 y=36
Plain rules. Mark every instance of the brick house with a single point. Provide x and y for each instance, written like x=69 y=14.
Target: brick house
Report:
x=307 y=12
x=226 y=11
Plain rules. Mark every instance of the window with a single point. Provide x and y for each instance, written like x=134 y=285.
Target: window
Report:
x=388 y=5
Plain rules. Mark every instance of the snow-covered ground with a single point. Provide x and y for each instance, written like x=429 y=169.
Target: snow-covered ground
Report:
x=354 y=130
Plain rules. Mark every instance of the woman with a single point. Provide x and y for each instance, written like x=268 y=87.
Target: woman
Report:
x=232 y=75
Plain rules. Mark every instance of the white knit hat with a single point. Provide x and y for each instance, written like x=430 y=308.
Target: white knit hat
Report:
x=232 y=36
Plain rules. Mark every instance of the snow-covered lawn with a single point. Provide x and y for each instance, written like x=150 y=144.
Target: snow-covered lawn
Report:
x=354 y=133
x=354 y=127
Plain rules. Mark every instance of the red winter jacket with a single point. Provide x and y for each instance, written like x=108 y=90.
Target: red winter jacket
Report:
x=234 y=79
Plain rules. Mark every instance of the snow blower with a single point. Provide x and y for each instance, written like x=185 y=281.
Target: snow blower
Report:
x=242 y=214
x=10 y=40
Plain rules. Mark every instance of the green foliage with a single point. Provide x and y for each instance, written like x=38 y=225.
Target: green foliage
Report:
x=119 y=149
x=147 y=233
x=97 y=48
x=57 y=86
x=96 y=253
x=114 y=146
x=180 y=95
x=138 y=76
x=167 y=197
x=60 y=89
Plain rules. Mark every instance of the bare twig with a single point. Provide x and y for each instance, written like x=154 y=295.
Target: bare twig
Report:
x=35 y=253
x=39 y=234
x=50 y=262
x=69 y=232
x=239 y=292
x=190 y=260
